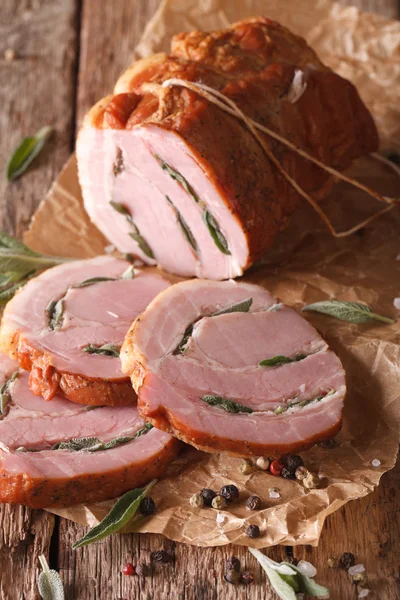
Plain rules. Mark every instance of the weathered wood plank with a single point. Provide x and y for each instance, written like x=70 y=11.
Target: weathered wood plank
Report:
x=36 y=89
x=388 y=8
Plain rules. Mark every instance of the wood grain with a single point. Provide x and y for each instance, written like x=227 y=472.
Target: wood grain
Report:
x=39 y=88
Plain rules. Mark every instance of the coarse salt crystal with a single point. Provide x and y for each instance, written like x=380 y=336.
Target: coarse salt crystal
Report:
x=220 y=518
x=307 y=568
x=274 y=494
x=376 y=462
x=396 y=303
x=109 y=249
x=363 y=593
x=356 y=569
x=302 y=388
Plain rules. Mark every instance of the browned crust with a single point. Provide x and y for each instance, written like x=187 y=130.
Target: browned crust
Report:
x=43 y=493
x=250 y=62
x=46 y=381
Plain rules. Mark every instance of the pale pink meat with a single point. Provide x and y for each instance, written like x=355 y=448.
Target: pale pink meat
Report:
x=293 y=404
x=97 y=314
x=31 y=424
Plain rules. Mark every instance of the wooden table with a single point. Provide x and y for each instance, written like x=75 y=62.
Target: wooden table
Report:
x=69 y=54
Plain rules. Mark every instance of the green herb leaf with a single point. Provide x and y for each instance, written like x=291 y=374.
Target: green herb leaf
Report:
x=178 y=177
x=10 y=242
x=28 y=149
x=308 y=585
x=287 y=580
x=284 y=408
x=352 y=312
x=276 y=361
x=91 y=281
x=122 y=512
x=78 y=444
x=243 y=306
x=49 y=582
x=105 y=350
x=129 y=273
x=180 y=349
x=5 y=394
x=120 y=208
x=141 y=242
x=184 y=226
x=215 y=232
x=229 y=405
x=135 y=235
x=55 y=313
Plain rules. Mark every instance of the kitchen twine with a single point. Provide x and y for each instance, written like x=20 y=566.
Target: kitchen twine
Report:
x=230 y=107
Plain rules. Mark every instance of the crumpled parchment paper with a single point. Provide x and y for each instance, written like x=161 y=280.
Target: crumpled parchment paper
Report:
x=306 y=265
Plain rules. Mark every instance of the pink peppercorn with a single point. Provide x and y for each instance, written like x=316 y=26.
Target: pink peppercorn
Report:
x=276 y=467
x=128 y=569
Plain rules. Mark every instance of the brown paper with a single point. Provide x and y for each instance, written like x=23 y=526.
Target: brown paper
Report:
x=306 y=265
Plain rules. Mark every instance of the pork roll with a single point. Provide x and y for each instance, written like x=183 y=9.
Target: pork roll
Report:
x=233 y=370
x=172 y=178
x=66 y=327
x=60 y=454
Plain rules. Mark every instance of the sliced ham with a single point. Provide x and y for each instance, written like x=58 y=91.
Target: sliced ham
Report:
x=233 y=370
x=59 y=322
x=34 y=473
x=175 y=180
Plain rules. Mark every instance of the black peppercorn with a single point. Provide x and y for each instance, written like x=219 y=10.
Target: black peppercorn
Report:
x=253 y=531
x=232 y=576
x=233 y=564
x=147 y=506
x=229 y=492
x=247 y=578
x=142 y=570
x=253 y=503
x=291 y=462
x=208 y=496
x=347 y=560
x=161 y=556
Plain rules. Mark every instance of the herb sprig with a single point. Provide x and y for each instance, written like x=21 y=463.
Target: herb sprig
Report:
x=104 y=350
x=287 y=580
x=49 y=583
x=18 y=264
x=26 y=152
x=120 y=515
x=276 y=361
x=352 y=312
x=135 y=234
x=5 y=394
x=226 y=404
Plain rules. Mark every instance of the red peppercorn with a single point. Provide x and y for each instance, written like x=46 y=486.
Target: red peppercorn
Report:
x=276 y=467
x=128 y=569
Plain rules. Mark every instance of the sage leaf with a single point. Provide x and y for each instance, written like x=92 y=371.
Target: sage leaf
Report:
x=276 y=361
x=49 y=583
x=177 y=177
x=129 y=273
x=25 y=153
x=91 y=281
x=135 y=235
x=122 y=512
x=180 y=349
x=215 y=232
x=18 y=264
x=104 y=350
x=287 y=580
x=308 y=585
x=141 y=242
x=243 y=306
x=5 y=393
x=352 y=312
x=184 y=226
x=78 y=444
x=229 y=405
x=55 y=313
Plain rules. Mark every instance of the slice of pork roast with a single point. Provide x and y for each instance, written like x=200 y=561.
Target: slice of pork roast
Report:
x=172 y=178
x=42 y=463
x=66 y=327
x=200 y=377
